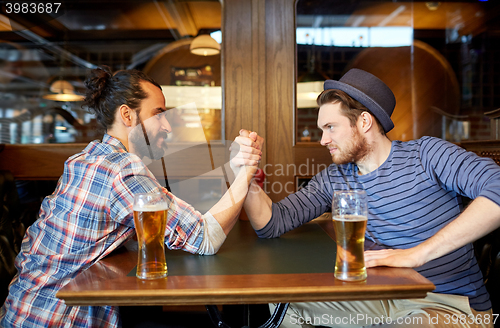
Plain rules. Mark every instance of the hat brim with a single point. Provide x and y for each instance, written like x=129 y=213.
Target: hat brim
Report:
x=365 y=100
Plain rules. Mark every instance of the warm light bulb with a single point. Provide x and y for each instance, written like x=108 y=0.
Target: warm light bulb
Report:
x=204 y=45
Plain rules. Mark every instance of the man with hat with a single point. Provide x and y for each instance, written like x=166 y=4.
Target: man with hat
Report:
x=414 y=192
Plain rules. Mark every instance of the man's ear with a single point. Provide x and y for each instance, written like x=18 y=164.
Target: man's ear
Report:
x=366 y=120
x=126 y=115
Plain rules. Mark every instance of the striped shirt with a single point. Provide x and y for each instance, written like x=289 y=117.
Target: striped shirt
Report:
x=411 y=196
x=88 y=216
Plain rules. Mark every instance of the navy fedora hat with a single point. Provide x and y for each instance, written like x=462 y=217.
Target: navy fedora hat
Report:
x=370 y=91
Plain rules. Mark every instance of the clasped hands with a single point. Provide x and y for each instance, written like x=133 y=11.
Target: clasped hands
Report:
x=246 y=151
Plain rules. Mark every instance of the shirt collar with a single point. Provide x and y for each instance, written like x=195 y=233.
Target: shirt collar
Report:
x=107 y=139
x=108 y=144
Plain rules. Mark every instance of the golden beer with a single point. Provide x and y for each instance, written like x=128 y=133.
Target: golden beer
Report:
x=350 y=239
x=150 y=223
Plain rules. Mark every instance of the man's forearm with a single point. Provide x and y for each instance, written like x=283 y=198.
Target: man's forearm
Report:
x=229 y=206
x=479 y=218
x=258 y=206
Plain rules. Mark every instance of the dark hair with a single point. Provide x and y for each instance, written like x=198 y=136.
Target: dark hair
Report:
x=107 y=91
x=350 y=107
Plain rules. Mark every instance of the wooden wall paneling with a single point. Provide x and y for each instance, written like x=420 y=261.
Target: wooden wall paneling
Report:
x=37 y=161
x=259 y=108
x=244 y=83
x=46 y=161
x=280 y=94
x=237 y=58
x=311 y=158
x=243 y=69
x=259 y=80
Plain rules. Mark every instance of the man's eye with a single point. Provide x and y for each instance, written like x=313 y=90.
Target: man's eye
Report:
x=330 y=127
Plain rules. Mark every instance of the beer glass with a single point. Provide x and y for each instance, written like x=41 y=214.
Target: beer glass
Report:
x=150 y=219
x=350 y=215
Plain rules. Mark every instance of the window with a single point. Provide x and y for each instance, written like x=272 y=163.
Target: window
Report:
x=45 y=54
x=439 y=58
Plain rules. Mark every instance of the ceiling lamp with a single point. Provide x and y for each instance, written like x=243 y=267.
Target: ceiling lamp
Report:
x=204 y=45
x=62 y=90
x=432 y=5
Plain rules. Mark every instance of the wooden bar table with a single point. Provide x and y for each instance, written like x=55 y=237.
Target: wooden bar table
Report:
x=297 y=267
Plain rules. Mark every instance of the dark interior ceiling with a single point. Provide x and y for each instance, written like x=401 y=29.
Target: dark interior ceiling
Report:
x=95 y=20
x=128 y=33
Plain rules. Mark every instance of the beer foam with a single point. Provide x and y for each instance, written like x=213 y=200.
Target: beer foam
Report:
x=151 y=208
x=350 y=218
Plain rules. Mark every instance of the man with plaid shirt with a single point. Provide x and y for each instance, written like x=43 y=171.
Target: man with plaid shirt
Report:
x=90 y=212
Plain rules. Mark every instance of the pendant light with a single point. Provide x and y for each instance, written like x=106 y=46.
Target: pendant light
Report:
x=62 y=90
x=204 y=45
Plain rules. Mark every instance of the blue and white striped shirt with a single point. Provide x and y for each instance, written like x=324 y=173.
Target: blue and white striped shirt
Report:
x=411 y=196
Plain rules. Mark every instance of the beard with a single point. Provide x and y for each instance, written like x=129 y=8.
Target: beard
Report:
x=354 y=151
x=157 y=143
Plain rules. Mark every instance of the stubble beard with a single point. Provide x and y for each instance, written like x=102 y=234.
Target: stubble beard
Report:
x=151 y=151
x=158 y=151
x=354 y=151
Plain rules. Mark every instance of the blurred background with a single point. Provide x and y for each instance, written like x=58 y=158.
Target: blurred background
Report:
x=441 y=59
x=44 y=59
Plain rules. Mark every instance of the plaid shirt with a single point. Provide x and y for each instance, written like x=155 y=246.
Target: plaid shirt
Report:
x=88 y=216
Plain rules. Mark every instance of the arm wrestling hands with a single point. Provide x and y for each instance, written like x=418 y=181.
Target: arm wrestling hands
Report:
x=246 y=151
x=245 y=159
x=257 y=204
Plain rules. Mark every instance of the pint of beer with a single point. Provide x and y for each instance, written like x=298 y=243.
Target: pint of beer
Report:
x=150 y=219
x=350 y=215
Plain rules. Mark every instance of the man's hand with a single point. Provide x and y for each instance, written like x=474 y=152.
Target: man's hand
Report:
x=245 y=157
x=246 y=150
x=461 y=231
x=408 y=258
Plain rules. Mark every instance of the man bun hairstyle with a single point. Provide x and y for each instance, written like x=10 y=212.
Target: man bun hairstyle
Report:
x=106 y=92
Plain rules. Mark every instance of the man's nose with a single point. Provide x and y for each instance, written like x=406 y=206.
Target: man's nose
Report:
x=325 y=139
x=165 y=125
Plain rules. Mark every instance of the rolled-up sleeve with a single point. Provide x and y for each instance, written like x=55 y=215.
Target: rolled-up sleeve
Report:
x=214 y=236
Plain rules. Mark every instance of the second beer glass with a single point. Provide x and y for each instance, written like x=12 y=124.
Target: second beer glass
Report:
x=150 y=219
x=350 y=215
